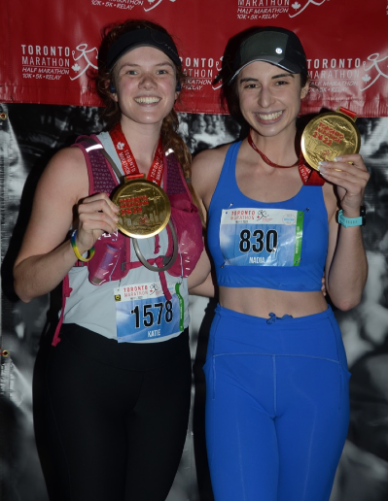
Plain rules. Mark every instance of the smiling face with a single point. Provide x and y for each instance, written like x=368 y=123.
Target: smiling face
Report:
x=270 y=98
x=145 y=82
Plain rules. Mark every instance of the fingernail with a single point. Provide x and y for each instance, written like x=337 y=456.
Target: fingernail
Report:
x=321 y=167
x=337 y=159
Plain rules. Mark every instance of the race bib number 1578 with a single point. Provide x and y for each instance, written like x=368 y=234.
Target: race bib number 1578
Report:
x=143 y=313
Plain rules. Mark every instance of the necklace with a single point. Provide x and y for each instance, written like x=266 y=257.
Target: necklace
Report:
x=308 y=176
x=267 y=160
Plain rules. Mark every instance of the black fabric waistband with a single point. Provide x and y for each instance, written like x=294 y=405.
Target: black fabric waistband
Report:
x=127 y=356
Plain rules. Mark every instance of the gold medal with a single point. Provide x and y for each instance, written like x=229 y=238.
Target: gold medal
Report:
x=330 y=135
x=144 y=208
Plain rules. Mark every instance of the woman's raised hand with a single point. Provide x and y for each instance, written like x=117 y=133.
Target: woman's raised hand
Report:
x=97 y=214
x=349 y=175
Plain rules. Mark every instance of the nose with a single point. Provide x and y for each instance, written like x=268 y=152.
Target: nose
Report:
x=147 y=81
x=265 y=97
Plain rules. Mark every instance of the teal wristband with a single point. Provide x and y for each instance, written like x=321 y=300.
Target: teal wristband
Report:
x=348 y=222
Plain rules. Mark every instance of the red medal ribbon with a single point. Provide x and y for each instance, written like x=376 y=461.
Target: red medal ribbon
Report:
x=128 y=161
x=309 y=176
x=347 y=112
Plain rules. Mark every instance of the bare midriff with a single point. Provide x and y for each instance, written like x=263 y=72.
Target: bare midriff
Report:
x=261 y=302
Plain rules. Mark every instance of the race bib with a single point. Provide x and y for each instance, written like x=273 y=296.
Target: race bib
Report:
x=261 y=237
x=143 y=313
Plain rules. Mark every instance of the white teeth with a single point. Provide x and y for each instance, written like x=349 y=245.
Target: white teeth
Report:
x=270 y=116
x=147 y=100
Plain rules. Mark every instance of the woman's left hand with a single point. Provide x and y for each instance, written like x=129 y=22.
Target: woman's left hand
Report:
x=349 y=175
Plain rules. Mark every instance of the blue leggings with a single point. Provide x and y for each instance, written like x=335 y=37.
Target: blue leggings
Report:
x=277 y=406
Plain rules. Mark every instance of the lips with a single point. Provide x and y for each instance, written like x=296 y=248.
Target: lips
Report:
x=269 y=117
x=147 y=100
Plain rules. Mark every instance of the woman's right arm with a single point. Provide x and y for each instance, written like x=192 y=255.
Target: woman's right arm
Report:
x=61 y=196
x=205 y=172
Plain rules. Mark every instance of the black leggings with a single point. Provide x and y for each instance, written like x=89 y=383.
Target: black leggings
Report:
x=111 y=419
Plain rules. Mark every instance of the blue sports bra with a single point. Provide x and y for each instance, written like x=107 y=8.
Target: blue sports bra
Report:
x=281 y=245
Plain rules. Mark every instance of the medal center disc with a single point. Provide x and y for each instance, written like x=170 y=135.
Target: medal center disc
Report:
x=144 y=208
x=327 y=136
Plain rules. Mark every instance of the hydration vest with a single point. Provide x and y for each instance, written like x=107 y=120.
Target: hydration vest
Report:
x=184 y=216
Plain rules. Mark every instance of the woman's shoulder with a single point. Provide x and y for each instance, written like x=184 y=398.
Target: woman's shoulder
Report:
x=66 y=171
x=214 y=155
x=206 y=169
x=210 y=161
x=70 y=156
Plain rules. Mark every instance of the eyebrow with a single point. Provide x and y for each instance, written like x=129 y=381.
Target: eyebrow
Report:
x=134 y=65
x=281 y=75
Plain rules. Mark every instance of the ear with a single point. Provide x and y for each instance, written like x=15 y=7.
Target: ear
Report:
x=305 y=90
x=113 y=91
x=178 y=89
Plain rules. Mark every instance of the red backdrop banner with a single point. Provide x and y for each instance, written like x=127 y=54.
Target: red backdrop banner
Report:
x=49 y=48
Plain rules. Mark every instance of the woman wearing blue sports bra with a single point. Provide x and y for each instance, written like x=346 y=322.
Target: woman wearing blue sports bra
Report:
x=277 y=404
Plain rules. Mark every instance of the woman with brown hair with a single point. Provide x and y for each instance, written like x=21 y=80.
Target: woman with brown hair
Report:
x=277 y=403
x=115 y=391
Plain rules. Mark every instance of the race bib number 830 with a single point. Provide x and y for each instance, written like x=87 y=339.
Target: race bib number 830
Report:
x=261 y=237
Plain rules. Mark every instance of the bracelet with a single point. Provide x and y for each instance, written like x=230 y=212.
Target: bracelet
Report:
x=76 y=251
x=347 y=222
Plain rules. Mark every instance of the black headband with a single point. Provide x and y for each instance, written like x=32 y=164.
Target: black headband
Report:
x=142 y=37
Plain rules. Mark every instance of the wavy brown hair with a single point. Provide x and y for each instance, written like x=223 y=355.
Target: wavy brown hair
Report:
x=112 y=113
